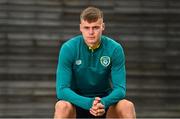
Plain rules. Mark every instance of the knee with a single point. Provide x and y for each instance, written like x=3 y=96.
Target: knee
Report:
x=126 y=108
x=126 y=104
x=63 y=107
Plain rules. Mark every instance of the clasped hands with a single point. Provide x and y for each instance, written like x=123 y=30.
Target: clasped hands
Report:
x=97 y=108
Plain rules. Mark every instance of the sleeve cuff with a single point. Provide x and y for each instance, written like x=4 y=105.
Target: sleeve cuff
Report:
x=103 y=102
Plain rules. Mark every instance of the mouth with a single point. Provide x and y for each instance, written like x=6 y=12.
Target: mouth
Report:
x=91 y=37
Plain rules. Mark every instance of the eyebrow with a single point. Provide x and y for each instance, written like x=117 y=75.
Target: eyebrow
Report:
x=92 y=26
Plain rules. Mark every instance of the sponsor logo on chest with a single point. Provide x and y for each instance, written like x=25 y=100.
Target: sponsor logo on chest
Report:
x=78 y=62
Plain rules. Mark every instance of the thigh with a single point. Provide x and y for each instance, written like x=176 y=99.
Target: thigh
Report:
x=119 y=109
x=111 y=112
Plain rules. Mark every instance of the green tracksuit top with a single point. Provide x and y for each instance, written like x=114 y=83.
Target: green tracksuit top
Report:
x=83 y=74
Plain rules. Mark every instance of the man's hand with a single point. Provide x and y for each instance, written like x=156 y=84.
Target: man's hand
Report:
x=97 y=108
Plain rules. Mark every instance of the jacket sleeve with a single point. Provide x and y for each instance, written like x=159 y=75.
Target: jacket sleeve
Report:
x=64 y=78
x=118 y=77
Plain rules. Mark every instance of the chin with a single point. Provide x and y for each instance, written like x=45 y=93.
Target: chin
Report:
x=91 y=43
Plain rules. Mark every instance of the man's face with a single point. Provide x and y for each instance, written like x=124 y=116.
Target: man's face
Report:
x=92 y=31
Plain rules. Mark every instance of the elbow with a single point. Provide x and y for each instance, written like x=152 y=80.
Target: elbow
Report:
x=122 y=92
x=59 y=93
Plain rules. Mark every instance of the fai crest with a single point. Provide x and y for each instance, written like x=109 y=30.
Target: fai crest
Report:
x=105 y=60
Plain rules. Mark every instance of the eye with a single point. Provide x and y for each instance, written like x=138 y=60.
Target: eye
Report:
x=96 y=28
x=86 y=28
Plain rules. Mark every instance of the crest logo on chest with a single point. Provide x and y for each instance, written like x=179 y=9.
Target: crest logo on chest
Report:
x=105 y=61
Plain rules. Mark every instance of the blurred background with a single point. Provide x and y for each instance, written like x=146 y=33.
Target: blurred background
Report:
x=32 y=32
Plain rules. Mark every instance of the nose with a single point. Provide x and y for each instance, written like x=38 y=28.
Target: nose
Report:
x=91 y=31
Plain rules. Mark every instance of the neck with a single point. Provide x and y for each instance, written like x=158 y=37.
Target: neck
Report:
x=94 y=46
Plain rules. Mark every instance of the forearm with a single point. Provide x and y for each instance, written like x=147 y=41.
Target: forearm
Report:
x=113 y=97
x=69 y=95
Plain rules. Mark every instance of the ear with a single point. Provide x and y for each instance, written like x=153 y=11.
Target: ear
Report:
x=103 y=26
x=80 y=27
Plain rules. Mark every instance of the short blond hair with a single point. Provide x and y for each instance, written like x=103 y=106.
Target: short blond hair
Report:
x=91 y=14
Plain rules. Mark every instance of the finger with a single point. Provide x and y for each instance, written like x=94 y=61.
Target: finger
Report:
x=96 y=111
x=99 y=114
x=97 y=100
x=95 y=107
x=100 y=106
x=101 y=111
x=96 y=114
x=93 y=112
